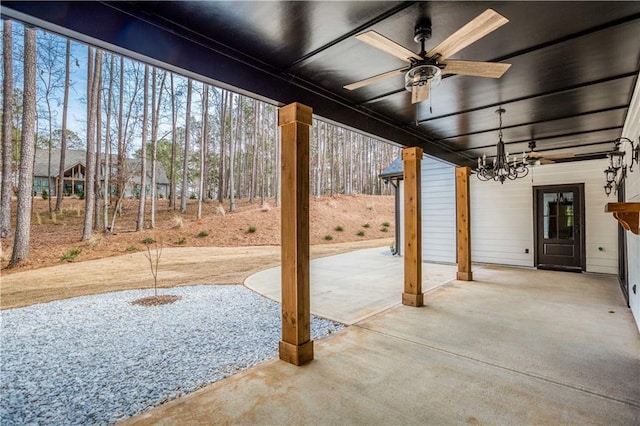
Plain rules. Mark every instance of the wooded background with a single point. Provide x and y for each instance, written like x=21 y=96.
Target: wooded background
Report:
x=214 y=144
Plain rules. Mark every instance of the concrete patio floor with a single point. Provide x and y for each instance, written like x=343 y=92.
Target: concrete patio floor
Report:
x=515 y=346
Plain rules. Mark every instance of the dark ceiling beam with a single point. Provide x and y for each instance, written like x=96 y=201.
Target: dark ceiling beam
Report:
x=588 y=31
x=370 y=23
x=534 y=96
x=530 y=123
x=563 y=147
x=564 y=135
x=130 y=34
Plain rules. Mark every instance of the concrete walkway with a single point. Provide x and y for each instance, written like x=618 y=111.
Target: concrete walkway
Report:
x=516 y=346
x=351 y=287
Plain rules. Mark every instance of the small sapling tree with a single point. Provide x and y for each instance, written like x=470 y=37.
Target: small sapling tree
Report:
x=154 y=261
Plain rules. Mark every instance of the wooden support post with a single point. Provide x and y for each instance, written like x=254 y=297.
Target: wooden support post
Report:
x=463 y=223
x=412 y=295
x=296 y=346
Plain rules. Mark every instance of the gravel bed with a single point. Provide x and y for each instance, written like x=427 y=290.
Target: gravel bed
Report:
x=99 y=359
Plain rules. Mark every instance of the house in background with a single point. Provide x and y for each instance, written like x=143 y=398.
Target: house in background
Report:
x=74 y=174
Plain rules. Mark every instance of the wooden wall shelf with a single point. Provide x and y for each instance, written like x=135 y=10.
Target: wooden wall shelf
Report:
x=628 y=214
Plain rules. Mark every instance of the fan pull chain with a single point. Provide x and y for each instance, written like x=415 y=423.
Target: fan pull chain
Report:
x=430 y=97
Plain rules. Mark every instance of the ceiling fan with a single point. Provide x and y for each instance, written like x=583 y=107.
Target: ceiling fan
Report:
x=426 y=68
x=539 y=159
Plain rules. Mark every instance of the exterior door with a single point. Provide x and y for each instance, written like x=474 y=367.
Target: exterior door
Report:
x=559 y=212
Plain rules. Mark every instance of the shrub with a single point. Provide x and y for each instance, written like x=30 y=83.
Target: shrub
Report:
x=45 y=194
x=181 y=241
x=193 y=196
x=328 y=237
x=148 y=240
x=360 y=233
x=177 y=222
x=202 y=234
x=383 y=229
x=252 y=229
x=339 y=228
x=386 y=224
x=71 y=254
x=80 y=195
x=132 y=247
x=366 y=225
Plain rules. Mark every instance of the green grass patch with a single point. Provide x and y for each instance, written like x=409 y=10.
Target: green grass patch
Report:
x=360 y=233
x=328 y=237
x=252 y=229
x=339 y=228
x=366 y=225
x=202 y=234
x=132 y=247
x=71 y=255
x=148 y=240
x=386 y=224
x=181 y=241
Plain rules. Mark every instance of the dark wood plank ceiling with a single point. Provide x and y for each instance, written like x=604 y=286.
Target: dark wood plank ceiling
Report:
x=575 y=64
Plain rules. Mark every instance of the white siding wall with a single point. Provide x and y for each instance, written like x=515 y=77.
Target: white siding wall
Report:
x=632 y=131
x=502 y=216
x=438 y=211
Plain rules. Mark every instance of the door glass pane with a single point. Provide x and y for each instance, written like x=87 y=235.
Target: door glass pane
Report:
x=558 y=215
x=565 y=216
x=550 y=208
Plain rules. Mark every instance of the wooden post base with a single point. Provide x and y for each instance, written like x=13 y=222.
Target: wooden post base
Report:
x=464 y=276
x=415 y=300
x=296 y=355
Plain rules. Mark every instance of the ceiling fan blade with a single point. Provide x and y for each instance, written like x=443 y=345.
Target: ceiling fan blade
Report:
x=361 y=83
x=419 y=92
x=379 y=41
x=560 y=156
x=474 y=68
x=483 y=24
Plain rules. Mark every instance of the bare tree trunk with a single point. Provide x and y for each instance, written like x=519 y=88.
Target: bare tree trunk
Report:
x=277 y=165
x=232 y=189
x=27 y=151
x=254 y=159
x=174 y=141
x=143 y=156
x=223 y=134
x=98 y=180
x=262 y=159
x=107 y=150
x=239 y=147
x=63 y=137
x=7 y=145
x=121 y=153
x=90 y=171
x=155 y=118
x=203 y=145
x=185 y=161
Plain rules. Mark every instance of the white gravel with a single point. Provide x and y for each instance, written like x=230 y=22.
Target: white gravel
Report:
x=99 y=359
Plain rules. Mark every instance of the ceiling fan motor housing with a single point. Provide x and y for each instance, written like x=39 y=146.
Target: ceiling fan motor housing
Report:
x=421 y=75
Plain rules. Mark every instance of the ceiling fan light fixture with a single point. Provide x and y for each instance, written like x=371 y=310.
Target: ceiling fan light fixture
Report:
x=422 y=75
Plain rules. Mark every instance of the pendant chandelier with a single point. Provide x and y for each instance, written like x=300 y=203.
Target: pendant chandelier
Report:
x=501 y=168
x=617 y=170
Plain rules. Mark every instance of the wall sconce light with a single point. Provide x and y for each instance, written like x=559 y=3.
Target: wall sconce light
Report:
x=617 y=170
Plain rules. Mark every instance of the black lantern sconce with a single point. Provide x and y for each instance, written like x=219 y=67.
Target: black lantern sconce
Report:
x=617 y=170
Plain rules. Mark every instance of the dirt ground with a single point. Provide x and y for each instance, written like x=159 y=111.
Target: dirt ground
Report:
x=227 y=254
